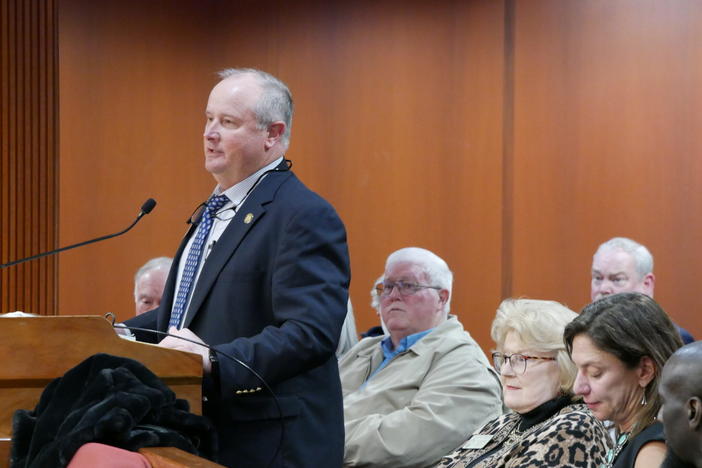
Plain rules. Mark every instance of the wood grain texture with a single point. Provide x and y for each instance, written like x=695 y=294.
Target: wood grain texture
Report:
x=29 y=153
x=44 y=348
x=5 y=446
x=134 y=80
x=172 y=457
x=606 y=122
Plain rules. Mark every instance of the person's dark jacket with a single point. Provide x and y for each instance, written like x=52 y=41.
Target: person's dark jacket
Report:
x=110 y=400
x=273 y=293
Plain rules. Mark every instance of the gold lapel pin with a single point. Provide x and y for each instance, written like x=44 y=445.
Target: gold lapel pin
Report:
x=248 y=218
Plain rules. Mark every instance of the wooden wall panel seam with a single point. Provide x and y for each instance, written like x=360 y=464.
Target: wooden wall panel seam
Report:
x=508 y=149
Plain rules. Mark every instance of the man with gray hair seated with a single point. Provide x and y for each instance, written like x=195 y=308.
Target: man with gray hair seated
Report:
x=623 y=265
x=416 y=394
x=149 y=282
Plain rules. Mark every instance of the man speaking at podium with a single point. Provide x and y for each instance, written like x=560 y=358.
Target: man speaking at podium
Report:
x=262 y=275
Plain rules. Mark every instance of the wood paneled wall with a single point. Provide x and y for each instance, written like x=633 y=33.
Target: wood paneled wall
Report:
x=29 y=156
x=509 y=137
x=134 y=78
x=398 y=124
x=607 y=113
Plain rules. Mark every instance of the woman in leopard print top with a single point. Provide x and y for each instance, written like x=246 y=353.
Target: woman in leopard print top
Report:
x=547 y=427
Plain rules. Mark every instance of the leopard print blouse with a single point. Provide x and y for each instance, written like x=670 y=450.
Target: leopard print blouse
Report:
x=573 y=437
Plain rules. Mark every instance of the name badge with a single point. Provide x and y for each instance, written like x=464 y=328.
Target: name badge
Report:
x=477 y=441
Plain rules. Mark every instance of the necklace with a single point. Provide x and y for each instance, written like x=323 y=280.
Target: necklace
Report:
x=613 y=452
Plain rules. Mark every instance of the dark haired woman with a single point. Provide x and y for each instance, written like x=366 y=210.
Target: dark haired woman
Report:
x=619 y=345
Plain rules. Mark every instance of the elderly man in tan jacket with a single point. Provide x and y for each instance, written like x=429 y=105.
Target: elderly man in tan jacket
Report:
x=415 y=395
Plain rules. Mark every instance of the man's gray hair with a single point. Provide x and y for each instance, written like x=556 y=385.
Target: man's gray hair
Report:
x=275 y=103
x=436 y=269
x=158 y=263
x=643 y=260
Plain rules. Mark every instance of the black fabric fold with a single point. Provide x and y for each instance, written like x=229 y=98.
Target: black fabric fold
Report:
x=111 y=400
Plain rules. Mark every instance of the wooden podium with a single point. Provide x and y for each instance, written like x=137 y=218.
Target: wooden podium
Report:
x=36 y=350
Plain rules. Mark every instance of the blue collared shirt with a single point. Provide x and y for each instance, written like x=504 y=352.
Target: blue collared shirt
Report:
x=389 y=353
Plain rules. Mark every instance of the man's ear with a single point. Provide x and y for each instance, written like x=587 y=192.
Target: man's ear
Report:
x=649 y=283
x=443 y=296
x=275 y=134
x=694 y=413
x=646 y=371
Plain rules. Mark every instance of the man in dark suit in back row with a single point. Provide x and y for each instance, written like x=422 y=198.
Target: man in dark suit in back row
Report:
x=262 y=275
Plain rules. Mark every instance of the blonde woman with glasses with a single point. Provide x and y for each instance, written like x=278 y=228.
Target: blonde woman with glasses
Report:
x=547 y=426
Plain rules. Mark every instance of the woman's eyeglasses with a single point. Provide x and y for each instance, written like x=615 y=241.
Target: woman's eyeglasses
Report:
x=518 y=362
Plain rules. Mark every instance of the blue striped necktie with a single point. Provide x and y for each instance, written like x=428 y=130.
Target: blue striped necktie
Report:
x=194 y=256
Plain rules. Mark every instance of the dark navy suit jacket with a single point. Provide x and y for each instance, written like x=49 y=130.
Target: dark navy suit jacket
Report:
x=273 y=293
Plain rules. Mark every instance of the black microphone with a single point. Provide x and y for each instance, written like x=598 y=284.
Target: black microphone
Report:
x=146 y=208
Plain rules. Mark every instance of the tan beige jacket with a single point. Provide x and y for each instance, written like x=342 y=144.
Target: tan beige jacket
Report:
x=422 y=405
